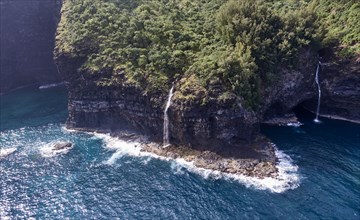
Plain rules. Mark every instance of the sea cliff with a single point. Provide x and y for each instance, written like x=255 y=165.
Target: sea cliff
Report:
x=220 y=113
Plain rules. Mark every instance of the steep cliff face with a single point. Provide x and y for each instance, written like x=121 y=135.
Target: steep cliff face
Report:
x=212 y=126
x=293 y=87
x=127 y=109
x=27 y=42
x=339 y=82
x=340 y=85
x=342 y=95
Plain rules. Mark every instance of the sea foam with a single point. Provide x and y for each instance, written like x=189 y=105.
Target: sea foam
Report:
x=48 y=86
x=288 y=177
x=294 y=124
x=7 y=151
x=48 y=150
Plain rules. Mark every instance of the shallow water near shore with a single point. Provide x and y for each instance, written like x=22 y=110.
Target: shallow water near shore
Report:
x=103 y=177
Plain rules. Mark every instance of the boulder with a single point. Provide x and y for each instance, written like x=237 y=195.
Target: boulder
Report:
x=62 y=146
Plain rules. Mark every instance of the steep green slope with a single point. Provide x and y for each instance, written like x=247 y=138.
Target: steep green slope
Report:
x=340 y=19
x=237 y=44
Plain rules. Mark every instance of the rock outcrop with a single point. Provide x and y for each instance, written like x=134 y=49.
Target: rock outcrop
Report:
x=113 y=108
x=260 y=164
x=62 y=146
x=291 y=89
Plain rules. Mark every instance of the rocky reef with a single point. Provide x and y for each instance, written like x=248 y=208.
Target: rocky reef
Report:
x=258 y=160
x=62 y=146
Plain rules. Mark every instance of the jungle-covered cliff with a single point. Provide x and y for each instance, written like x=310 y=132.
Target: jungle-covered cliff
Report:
x=233 y=64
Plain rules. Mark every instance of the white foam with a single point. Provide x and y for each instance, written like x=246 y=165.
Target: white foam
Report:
x=47 y=86
x=317 y=121
x=121 y=147
x=68 y=130
x=7 y=151
x=287 y=179
x=294 y=124
x=48 y=150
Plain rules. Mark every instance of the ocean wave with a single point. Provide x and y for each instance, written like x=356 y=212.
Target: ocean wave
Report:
x=7 y=151
x=48 y=86
x=288 y=177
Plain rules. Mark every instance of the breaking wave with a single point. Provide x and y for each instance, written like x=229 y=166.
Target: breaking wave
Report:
x=288 y=177
x=48 y=150
x=7 y=151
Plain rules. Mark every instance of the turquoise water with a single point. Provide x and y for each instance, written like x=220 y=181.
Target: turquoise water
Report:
x=105 y=178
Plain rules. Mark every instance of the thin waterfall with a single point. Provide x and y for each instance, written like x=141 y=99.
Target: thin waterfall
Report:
x=319 y=90
x=166 y=119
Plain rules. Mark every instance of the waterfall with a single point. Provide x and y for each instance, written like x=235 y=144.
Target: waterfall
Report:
x=166 y=119
x=319 y=90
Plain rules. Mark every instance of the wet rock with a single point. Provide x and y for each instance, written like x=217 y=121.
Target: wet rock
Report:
x=62 y=145
x=284 y=120
x=261 y=168
x=340 y=87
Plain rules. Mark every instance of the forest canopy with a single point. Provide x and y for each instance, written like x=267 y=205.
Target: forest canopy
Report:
x=238 y=44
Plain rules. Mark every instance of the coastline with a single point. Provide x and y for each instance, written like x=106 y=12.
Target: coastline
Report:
x=259 y=160
x=252 y=167
x=285 y=178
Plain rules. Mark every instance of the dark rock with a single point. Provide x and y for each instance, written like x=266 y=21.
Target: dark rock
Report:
x=340 y=85
x=126 y=107
x=290 y=89
x=62 y=145
x=264 y=167
x=284 y=120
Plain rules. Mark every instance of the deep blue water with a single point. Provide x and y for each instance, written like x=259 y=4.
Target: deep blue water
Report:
x=98 y=180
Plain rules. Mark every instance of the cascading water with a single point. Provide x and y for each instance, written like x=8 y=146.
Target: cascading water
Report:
x=166 y=119
x=319 y=90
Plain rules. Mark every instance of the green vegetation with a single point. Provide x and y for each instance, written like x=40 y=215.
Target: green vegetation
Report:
x=341 y=19
x=237 y=44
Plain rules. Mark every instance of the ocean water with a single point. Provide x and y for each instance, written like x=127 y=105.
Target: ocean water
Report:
x=106 y=178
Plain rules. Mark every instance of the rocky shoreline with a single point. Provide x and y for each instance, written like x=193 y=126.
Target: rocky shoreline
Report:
x=285 y=120
x=256 y=160
x=261 y=167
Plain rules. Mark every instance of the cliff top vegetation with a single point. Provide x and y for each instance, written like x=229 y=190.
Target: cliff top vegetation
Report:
x=236 y=45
